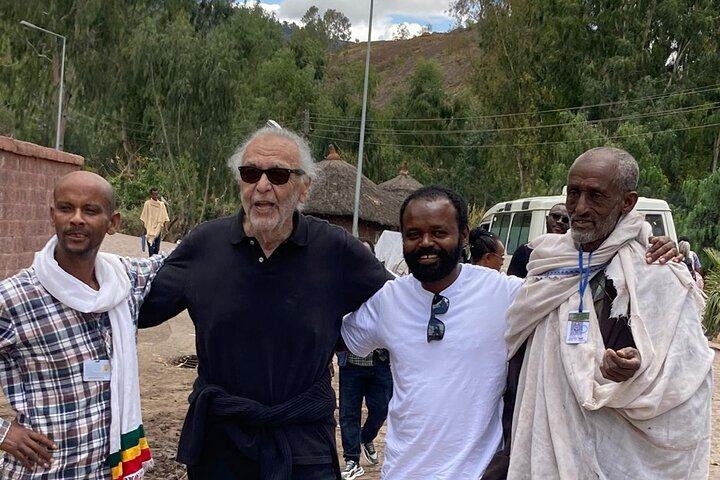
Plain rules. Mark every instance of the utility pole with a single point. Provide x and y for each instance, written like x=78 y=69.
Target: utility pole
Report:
x=306 y=122
x=58 y=128
x=356 y=210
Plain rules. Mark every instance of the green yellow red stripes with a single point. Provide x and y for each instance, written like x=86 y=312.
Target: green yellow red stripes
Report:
x=128 y=462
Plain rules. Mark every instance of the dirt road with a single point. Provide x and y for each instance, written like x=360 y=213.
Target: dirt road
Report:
x=165 y=387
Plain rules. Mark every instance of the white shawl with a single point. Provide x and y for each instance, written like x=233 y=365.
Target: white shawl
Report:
x=570 y=422
x=112 y=297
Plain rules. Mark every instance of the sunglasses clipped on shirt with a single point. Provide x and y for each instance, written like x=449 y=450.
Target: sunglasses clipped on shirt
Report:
x=436 y=328
x=558 y=217
x=275 y=175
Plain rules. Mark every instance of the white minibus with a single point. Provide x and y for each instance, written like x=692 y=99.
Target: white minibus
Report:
x=518 y=222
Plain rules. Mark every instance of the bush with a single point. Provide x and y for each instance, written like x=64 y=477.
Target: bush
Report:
x=711 y=318
x=130 y=223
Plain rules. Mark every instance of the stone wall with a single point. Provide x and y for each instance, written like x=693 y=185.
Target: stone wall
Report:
x=27 y=175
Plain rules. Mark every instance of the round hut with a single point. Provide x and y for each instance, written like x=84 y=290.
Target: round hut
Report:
x=402 y=185
x=332 y=197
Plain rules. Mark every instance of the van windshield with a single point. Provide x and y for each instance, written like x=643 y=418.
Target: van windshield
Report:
x=513 y=229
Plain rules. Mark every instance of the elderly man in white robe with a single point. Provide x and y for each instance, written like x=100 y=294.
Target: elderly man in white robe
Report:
x=592 y=307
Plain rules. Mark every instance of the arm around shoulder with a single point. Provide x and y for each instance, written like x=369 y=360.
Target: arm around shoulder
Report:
x=364 y=274
x=166 y=297
x=361 y=330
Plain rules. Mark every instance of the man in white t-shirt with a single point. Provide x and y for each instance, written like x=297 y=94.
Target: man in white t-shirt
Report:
x=446 y=344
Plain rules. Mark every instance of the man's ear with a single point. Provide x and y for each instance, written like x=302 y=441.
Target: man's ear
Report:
x=629 y=201
x=304 y=189
x=114 y=223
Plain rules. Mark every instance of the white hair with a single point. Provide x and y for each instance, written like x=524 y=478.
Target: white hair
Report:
x=684 y=249
x=306 y=160
x=627 y=173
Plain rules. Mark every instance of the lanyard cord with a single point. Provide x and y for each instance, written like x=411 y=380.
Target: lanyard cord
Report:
x=584 y=276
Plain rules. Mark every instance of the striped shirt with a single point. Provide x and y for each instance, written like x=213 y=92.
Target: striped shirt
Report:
x=43 y=344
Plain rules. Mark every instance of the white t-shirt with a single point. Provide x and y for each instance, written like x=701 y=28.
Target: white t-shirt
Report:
x=444 y=418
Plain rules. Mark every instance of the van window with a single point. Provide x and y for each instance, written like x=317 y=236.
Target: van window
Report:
x=656 y=221
x=519 y=231
x=501 y=225
x=512 y=229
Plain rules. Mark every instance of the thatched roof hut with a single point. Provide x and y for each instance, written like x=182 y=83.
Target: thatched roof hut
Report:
x=332 y=197
x=402 y=185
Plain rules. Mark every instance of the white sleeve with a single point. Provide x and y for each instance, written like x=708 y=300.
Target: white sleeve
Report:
x=513 y=285
x=360 y=328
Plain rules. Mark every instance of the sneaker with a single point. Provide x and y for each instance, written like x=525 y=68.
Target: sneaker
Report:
x=370 y=453
x=352 y=470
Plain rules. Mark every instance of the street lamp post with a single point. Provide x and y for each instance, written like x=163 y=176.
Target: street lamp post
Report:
x=356 y=210
x=62 y=79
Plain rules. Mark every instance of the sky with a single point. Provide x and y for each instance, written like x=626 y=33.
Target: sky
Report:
x=387 y=14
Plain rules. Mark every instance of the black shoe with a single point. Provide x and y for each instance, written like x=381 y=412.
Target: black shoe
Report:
x=370 y=453
x=352 y=470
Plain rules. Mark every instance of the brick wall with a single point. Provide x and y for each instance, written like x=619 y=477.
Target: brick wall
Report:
x=27 y=175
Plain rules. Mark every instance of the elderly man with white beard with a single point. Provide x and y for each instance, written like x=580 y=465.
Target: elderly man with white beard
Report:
x=591 y=304
x=266 y=290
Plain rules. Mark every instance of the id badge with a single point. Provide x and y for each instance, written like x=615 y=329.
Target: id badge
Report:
x=578 y=327
x=96 y=370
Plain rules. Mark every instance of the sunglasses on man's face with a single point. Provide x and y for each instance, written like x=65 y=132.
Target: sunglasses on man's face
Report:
x=275 y=175
x=560 y=218
x=436 y=328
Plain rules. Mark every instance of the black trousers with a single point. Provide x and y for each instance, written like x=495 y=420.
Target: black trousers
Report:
x=154 y=247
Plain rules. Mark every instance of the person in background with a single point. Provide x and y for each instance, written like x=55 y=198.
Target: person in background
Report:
x=687 y=258
x=154 y=216
x=370 y=378
x=557 y=222
x=486 y=249
x=68 y=363
x=697 y=267
x=690 y=260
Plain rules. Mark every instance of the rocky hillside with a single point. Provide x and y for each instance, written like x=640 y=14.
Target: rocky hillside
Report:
x=395 y=60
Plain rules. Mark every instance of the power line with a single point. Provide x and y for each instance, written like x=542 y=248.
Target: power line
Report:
x=531 y=144
x=634 y=116
x=693 y=91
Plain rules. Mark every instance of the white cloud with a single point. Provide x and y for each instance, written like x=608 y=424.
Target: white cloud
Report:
x=383 y=30
x=387 y=14
x=270 y=7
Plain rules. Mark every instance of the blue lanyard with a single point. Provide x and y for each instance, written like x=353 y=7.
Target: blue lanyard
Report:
x=585 y=276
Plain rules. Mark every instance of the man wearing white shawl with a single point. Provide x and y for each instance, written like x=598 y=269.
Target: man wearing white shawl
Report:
x=68 y=360
x=571 y=421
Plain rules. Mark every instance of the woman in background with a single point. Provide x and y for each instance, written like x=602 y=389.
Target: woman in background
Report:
x=486 y=249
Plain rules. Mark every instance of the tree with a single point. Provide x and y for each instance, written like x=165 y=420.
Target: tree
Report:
x=318 y=36
x=465 y=11
x=426 y=122
x=401 y=32
x=332 y=29
x=701 y=219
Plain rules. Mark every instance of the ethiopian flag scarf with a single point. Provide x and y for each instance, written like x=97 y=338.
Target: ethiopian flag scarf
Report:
x=129 y=452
